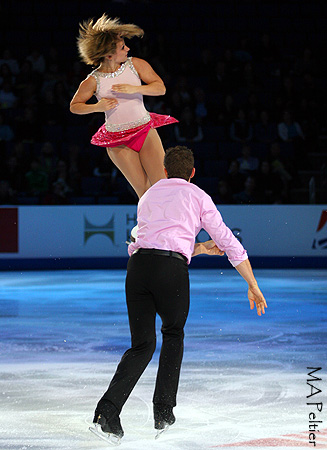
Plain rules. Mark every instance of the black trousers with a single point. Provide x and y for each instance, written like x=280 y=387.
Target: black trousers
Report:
x=155 y=284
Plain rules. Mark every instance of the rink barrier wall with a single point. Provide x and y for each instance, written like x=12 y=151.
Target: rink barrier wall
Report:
x=199 y=262
x=87 y=237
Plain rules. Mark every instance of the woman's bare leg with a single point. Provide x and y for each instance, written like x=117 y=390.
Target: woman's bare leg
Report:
x=152 y=157
x=128 y=162
x=141 y=169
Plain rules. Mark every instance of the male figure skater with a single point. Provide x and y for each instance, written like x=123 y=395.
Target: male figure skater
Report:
x=170 y=215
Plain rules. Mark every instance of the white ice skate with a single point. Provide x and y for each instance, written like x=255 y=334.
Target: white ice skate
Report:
x=163 y=418
x=133 y=235
x=112 y=439
x=163 y=430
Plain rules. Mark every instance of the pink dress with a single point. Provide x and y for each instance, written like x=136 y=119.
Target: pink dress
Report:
x=129 y=123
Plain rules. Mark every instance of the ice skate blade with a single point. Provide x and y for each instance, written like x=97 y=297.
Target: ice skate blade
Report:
x=134 y=231
x=112 y=439
x=160 y=432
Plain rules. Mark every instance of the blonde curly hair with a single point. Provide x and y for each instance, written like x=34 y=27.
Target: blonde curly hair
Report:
x=99 y=39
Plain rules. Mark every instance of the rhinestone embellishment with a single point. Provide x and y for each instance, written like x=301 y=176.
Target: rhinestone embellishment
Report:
x=127 y=125
x=118 y=71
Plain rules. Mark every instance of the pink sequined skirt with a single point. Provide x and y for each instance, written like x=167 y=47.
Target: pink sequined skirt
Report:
x=133 y=138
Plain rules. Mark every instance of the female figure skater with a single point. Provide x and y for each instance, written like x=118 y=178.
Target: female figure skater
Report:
x=129 y=132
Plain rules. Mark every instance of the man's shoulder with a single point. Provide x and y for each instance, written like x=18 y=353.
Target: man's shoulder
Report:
x=178 y=185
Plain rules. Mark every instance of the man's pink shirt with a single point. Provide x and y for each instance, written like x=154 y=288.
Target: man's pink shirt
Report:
x=173 y=211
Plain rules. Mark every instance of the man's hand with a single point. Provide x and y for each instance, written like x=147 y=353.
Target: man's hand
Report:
x=207 y=248
x=256 y=297
x=212 y=249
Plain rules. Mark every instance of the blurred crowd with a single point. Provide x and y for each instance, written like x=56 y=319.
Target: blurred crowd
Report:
x=252 y=114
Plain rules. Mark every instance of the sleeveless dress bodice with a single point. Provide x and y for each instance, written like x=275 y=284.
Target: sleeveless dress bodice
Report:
x=130 y=112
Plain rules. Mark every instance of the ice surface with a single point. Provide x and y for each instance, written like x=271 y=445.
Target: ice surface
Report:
x=243 y=381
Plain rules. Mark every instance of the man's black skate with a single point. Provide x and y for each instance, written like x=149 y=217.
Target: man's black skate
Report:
x=163 y=418
x=107 y=424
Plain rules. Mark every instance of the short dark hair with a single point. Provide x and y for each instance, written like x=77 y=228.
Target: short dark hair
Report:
x=179 y=162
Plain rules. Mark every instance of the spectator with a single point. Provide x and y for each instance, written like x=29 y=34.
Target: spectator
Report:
x=269 y=184
x=7 y=196
x=184 y=91
x=29 y=97
x=277 y=108
x=7 y=58
x=52 y=58
x=76 y=72
x=23 y=156
x=243 y=52
x=49 y=109
x=249 y=195
x=6 y=75
x=8 y=99
x=52 y=76
x=177 y=103
x=291 y=132
x=232 y=69
x=241 y=130
x=306 y=63
x=62 y=173
x=59 y=194
x=253 y=108
x=224 y=195
x=309 y=116
x=104 y=168
x=14 y=174
x=156 y=104
x=201 y=108
x=206 y=59
x=6 y=132
x=61 y=95
x=27 y=77
x=27 y=127
x=279 y=166
x=288 y=93
x=234 y=178
x=267 y=51
x=218 y=79
x=187 y=130
x=226 y=112
x=288 y=129
x=37 y=60
x=36 y=179
x=78 y=166
x=49 y=160
x=265 y=131
x=249 y=78
x=60 y=189
x=247 y=164
x=309 y=89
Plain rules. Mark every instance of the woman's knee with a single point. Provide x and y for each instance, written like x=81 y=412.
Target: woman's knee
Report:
x=152 y=157
x=129 y=164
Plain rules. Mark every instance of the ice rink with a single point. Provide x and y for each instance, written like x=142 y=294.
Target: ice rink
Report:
x=244 y=377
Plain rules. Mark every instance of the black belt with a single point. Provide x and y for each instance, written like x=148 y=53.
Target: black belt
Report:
x=155 y=251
